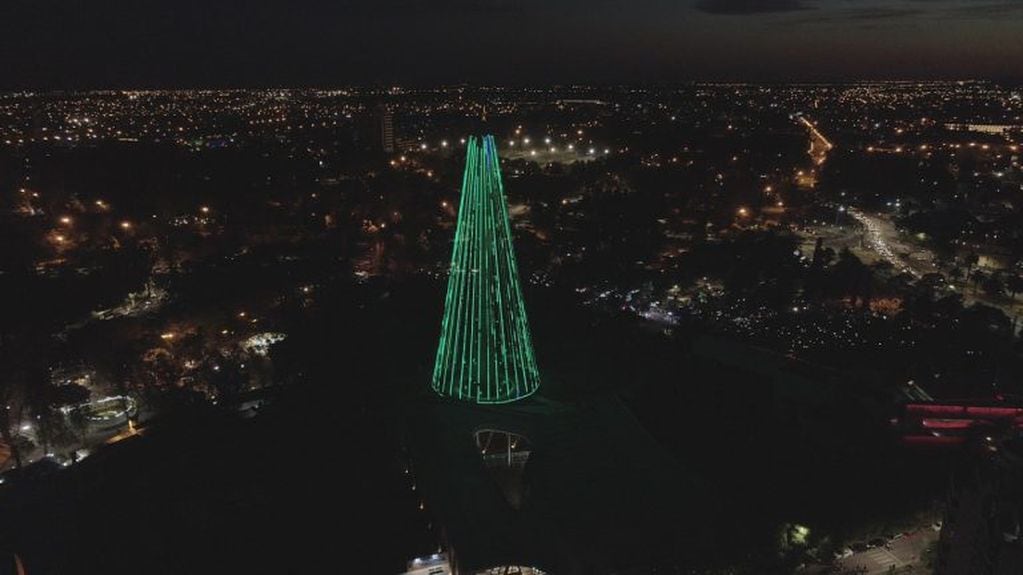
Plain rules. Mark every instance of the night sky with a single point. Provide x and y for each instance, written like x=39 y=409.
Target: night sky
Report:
x=191 y=43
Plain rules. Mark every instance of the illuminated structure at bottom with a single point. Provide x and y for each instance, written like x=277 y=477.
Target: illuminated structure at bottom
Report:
x=485 y=353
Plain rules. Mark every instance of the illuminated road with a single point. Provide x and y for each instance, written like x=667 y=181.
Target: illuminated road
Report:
x=819 y=144
x=883 y=239
x=875 y=237
x=897 y=554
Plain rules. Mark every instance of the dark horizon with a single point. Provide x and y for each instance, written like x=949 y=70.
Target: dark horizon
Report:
x=121 y=45
x=1007 y=82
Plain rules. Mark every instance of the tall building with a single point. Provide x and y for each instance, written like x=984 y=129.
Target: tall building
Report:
x=485 y=354
x=387 y=130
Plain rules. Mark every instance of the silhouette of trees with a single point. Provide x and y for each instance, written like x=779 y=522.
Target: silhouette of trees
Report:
x=978 y=277
x=850 y=278
x=7 y=421
x=1014 y=285
x=971 y=260
x=993 y=286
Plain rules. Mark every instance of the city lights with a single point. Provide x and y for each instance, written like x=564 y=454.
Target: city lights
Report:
x=754 y=255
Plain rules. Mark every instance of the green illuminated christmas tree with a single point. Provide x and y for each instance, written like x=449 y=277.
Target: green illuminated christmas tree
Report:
x=485 y=353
